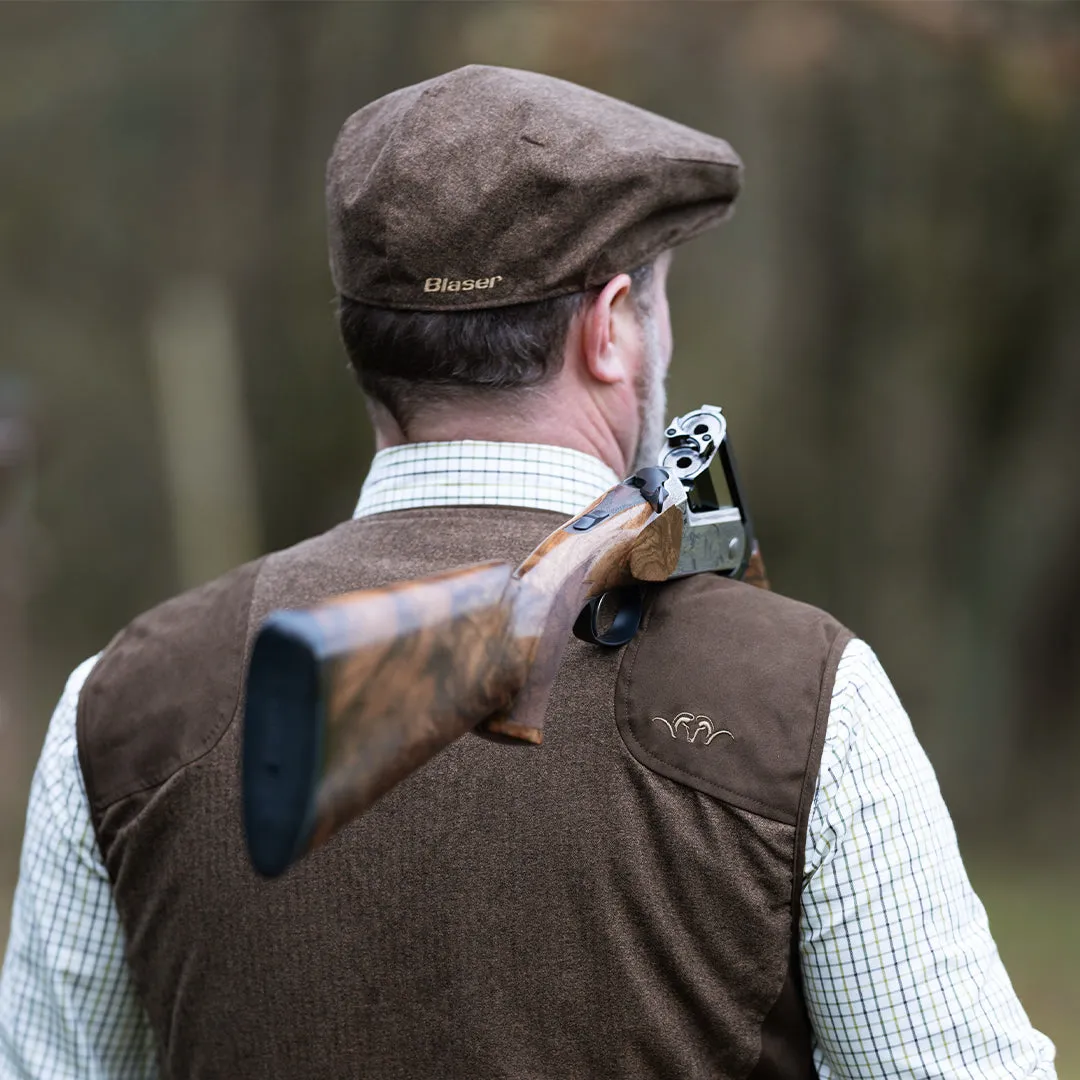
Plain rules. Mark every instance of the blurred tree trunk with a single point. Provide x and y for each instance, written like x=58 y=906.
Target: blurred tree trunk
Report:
x=205 y=440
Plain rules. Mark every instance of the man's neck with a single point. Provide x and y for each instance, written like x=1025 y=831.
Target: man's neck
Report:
x=552 y=426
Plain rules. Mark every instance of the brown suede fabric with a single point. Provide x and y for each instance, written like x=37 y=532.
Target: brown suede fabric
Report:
x=489 y=186
x=508 y=911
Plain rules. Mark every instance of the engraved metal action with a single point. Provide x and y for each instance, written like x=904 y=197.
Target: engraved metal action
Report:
x=717 y=536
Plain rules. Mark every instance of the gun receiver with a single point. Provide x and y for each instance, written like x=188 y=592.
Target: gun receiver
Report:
x=345 y=699
x=720 y=535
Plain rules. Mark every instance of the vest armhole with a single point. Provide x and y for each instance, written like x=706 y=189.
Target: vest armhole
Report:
x=792 y=993
x=787 y=1024
x=810 y=781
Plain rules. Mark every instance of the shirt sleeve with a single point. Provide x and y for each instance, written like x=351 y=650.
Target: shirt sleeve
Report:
x=67 y=1003
x=901 y=975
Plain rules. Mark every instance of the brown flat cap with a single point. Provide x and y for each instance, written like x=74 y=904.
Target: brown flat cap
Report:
x=489 y=186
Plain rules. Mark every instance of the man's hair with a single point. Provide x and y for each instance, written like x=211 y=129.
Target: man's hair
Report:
x=406 y=360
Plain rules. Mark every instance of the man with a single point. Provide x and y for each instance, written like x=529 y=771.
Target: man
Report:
x=619 y=902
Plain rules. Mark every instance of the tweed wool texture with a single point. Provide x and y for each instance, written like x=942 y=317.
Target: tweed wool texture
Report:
x=506 y=910
x=489 y=186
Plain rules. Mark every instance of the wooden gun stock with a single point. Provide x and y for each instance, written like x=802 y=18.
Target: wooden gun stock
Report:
x=346 y=699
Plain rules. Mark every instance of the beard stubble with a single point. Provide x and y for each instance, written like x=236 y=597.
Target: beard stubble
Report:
x=651 y=388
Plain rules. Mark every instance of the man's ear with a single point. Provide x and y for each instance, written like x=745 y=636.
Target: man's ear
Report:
x=605 y=331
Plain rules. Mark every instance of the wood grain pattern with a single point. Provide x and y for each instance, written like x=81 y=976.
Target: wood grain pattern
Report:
x=416 y=663
x=755 y=570
x=407 y=669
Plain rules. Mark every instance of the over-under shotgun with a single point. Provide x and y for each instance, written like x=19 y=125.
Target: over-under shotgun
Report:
x=346 y=699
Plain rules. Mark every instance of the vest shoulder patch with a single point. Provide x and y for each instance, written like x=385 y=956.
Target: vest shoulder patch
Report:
x=165 y=690
x=727 y=688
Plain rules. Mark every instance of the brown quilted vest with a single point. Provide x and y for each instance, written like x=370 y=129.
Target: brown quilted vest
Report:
x=620 y=902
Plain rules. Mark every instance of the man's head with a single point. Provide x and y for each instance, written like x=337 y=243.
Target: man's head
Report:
x=498 y=240
x=593 y=358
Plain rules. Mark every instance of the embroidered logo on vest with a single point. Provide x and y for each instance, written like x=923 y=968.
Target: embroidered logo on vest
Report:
x=693 y=726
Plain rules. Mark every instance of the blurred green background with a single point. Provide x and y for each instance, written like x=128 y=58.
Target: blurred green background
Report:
x=891 y=322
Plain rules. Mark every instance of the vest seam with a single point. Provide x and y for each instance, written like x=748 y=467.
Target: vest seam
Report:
x=663 y=768
x=752 y=806
x=85 y=763
x=204 y=746
x=813 y=767
x=791 y=968
x=792 y=973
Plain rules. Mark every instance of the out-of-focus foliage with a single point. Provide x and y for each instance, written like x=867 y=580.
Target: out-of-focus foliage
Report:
x=891 y=321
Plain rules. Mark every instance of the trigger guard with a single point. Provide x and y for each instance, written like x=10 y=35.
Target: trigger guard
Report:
x=623 y=627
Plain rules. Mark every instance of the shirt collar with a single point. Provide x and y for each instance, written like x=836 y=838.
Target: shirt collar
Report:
x=472 y=472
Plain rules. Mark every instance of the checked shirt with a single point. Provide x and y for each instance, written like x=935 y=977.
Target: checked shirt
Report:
x=900 y=973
